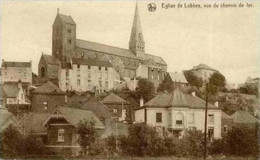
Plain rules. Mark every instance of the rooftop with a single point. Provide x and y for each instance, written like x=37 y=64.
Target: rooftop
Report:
x=48 y=88
x=203 y=66
x=16 y=64
x=112 y=98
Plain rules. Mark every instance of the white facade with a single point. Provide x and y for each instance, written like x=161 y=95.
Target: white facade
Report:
x=85 y=78
x=191 y=118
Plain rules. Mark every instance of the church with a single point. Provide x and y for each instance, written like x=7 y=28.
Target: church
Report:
x=82 y=65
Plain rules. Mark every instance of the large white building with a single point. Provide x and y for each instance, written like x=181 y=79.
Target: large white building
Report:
x=178 y=112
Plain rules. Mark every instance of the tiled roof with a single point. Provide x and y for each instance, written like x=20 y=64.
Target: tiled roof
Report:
x=203 y=66
x=6 y=117
x=32 y=122
x=177 y=77
x=10 y=90
x=50 y=59
x=115 y=51
x=225 y=116
x=66 y=19
x=76 y=115
x=98 y=108
x=48 y=88
x=177 y=99
x=112 y=98
x=15 y=64
x=244 y=117
x=89 y=62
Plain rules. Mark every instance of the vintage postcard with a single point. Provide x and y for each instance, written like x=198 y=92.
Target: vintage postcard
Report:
x=130 y=79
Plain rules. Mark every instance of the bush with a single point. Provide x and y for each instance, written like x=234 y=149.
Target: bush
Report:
x=239 y=141
x=16 y=145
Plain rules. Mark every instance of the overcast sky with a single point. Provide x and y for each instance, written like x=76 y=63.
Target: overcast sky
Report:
x=225 y=39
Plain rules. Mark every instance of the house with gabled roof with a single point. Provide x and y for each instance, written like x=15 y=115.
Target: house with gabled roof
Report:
x=177 y=112
x=46 y=97
x=58 y=129
x=7 y=119
x=120 y=109
x=203 y=71
x=244 y=118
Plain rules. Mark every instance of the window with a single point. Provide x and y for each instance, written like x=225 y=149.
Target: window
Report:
x=158 y=117
x=89 y=67
x=89 y=83
x=106 y=75
x=100 y=83
x=99 y=68
x=151 y=76
x=45 y=105
x=78 y=82
x=191 y=118
x=106 y=68
x=89 y=75
x=225 y=129
x=69 y=41
x=106 y=84
x=158 y=77
x=114 y=110
x=211 y=119
x=78 y=66
x=99 y=75
x=179 y=119
x=61 y=135
x=19 y=72
x=211 y=132
x=24 y=72
x=69 y=30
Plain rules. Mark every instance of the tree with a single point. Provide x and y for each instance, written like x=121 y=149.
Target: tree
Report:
x=16 y=145
x=87 y=136
x=216 y=82
x=145 y=90
x=249 y=89
x=167 y=84
x=192 y=79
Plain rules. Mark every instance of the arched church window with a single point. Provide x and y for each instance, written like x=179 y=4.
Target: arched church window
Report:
x=140 y=36
x=42 y=72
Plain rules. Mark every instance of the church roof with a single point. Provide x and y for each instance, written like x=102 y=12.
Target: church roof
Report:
x=16 y=64
x=203 y=66
x=81 y=61
x=177 y=77
x=136 y=33
x=115 y=51
x=50 y=59
x=66 y=19
x=112 y=98
x=48 y=88
x=177 y=99
x=243 y=117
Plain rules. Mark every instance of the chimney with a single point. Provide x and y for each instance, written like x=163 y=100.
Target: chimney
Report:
x=141 y=102
x=193 y=94
x=216 y=104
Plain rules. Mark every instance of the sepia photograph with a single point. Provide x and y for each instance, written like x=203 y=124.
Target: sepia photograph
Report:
x=130 y=80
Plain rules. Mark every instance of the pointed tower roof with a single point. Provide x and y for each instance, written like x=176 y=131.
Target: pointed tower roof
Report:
x=136 y=34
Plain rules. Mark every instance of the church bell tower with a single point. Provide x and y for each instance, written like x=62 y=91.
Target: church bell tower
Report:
x=136 y=43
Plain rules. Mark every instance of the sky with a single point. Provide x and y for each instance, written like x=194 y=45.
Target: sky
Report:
x=224 y=38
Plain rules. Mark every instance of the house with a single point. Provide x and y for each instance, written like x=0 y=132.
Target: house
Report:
x=120 y=109
x=176 y=79
x=57 y=130
x=16 y=71
x=177 y=112
x=226 y=123
x=15 y=93
x=203 y=71
x=7 y=119
x=46 y=97
x=98 y=109
x=244 y=118
x=83 y=65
